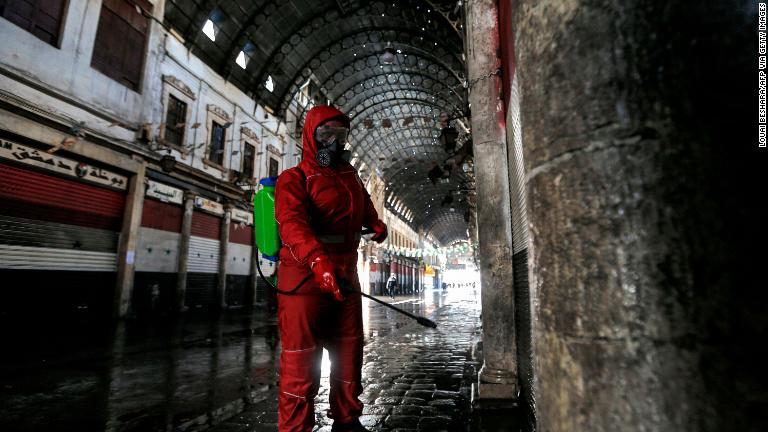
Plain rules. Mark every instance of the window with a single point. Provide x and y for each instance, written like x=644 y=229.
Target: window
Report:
x=216 y=147
x=175 y=120
x=120 y=41
x=274 y=167
x=249 y=153
x=42 y=18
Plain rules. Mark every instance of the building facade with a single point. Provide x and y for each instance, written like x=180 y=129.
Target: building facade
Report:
x=127 y=165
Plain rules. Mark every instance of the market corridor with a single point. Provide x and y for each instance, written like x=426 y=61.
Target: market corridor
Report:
x=597 y=166
x=196 y=374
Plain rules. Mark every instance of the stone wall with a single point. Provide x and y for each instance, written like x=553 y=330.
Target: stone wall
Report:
x=639 y=137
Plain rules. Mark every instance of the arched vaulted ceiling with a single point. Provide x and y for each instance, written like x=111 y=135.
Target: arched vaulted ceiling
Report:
x=337 y=45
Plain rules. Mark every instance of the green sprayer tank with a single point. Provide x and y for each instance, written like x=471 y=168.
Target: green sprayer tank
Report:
x=267 y=236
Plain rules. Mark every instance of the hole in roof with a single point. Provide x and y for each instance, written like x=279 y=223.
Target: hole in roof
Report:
x=241 y=60
x=210 y=30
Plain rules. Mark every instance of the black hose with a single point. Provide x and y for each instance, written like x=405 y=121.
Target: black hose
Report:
x=264 y=278
x=303 y=281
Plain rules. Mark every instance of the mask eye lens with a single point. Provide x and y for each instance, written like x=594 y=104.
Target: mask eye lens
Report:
x=328 y=133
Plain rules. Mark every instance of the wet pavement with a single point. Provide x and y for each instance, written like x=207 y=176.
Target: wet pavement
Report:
x=220 y=374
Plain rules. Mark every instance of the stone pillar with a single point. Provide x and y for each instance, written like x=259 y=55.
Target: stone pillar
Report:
x=186 y=232
x=126 y=253
x=646 y=255
x=221 y=285
x=498 y=375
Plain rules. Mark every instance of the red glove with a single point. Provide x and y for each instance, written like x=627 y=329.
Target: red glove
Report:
x=380 y=228
x=325 y=276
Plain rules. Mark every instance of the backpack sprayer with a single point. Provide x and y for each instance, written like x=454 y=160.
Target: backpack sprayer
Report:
x=267 y=241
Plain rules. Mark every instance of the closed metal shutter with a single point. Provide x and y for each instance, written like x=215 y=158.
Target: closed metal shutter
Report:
x=239 y=251
x=201 y=290
x=205 y=225
x=157 y=258
x=203 y=262
x=161 y=216
x=58 y=243
x=33 y=195
x=203 y=255
x=158 y=243
x=51 y=223
x=27 y=244
x=238 y=291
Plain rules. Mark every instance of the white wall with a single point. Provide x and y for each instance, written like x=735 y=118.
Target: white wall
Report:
x=67 y=74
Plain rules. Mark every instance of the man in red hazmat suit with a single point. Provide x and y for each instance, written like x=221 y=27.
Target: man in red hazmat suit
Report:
x=321 y=207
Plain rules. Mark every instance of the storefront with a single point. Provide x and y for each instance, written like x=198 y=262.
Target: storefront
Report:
x=60 y=223
x=204 y=254
x=239 y=257
x=157 y=253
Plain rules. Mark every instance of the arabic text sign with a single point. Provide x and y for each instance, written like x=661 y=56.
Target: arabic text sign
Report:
x=30 y=156
x=165 y=193
x=209 y=206
x=242 y=216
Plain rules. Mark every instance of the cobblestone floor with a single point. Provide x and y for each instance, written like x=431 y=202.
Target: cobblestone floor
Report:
x=414 y=378
x=220 y=374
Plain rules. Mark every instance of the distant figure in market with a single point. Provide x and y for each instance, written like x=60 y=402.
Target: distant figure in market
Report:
x=391 y=286
x=321 y=207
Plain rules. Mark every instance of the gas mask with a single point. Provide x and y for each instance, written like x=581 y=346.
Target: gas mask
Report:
x=331 y=141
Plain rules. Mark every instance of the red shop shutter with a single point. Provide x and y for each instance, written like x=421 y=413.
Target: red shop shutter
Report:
x=205 y=225
x=240 y=234
x=33 y=195
x=161 y=216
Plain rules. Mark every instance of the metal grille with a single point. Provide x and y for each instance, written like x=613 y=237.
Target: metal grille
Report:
x=517 y=173
x=524 y=333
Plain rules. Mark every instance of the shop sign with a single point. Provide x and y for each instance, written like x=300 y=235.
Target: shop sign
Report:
x=429 y=271
x=209 y=206
x=40 y=159
x=242 y=216
x=165 y=193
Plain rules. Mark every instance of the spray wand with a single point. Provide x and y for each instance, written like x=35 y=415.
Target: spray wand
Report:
x=346 y=288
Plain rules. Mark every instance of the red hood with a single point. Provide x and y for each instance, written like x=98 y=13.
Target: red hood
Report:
x=317 y=116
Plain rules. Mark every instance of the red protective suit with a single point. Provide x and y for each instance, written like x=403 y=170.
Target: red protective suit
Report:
x=320 y=210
